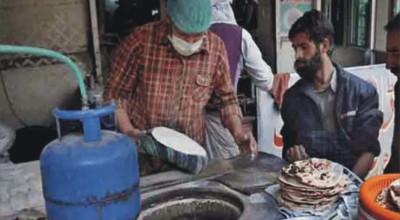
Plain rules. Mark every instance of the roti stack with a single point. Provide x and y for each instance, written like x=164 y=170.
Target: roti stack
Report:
x=311 y=185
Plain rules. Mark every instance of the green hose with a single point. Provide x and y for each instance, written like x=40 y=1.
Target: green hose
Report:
x=55 y=55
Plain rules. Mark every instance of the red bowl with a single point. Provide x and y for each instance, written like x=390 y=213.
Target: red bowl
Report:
x=369 y=191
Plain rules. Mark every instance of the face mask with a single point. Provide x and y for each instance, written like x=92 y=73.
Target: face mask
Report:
x=183 y=47
x=307 y=69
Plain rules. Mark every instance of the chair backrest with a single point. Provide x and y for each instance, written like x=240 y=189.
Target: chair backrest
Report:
x=270 y=122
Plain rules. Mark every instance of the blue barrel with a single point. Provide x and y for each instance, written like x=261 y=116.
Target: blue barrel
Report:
x=90 y=176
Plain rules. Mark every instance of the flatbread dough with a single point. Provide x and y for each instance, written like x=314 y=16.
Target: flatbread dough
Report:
x=177 y=141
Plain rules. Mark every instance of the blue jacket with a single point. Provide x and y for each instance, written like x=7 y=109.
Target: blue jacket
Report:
x=357 y=116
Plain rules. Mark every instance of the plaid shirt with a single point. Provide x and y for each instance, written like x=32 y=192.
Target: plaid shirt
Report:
x=156 y=86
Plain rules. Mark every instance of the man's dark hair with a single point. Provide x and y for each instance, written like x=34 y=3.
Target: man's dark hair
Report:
x=316 y=25
x=394 y=24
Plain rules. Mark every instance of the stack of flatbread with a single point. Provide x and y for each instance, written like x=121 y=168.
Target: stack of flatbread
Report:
x=312 y=185
x=389 y=198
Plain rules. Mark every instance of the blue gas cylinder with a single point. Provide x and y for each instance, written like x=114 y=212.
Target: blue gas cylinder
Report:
x=90 y=176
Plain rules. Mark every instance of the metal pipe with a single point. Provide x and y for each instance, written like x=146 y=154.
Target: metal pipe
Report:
x=372 y=31
x=96 y=41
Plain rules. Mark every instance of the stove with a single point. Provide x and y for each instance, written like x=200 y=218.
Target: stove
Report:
x=225 y=190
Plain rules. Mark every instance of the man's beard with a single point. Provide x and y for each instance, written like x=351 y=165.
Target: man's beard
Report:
x=307 y=69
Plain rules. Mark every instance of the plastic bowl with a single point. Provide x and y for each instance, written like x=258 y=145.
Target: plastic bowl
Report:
x=369 y=191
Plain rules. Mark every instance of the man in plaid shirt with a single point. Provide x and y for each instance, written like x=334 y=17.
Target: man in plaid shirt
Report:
x=165 y=72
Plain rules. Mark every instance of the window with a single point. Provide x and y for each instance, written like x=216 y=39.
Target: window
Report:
x=359 y=23
x=396 y=7
x=351 y=20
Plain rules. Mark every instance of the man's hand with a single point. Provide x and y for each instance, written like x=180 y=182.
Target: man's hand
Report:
x=247 y=143
x=297 y=152
x=363 y=165
x=134 y=134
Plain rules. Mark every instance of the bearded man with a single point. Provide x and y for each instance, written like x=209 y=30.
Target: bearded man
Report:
x=329 y=113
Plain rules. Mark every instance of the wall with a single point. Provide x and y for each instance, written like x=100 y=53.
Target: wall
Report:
x=266 y=31
x=382 y=16
x=36 y=85
x=349 y=56
x=287 y=12
x=285 y=57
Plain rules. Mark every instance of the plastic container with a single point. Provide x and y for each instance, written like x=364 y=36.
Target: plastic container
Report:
x=369 y=190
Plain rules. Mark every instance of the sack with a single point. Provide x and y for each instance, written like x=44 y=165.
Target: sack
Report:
x=7 y=137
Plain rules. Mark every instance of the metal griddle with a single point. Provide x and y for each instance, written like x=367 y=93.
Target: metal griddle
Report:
x=250 y=175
